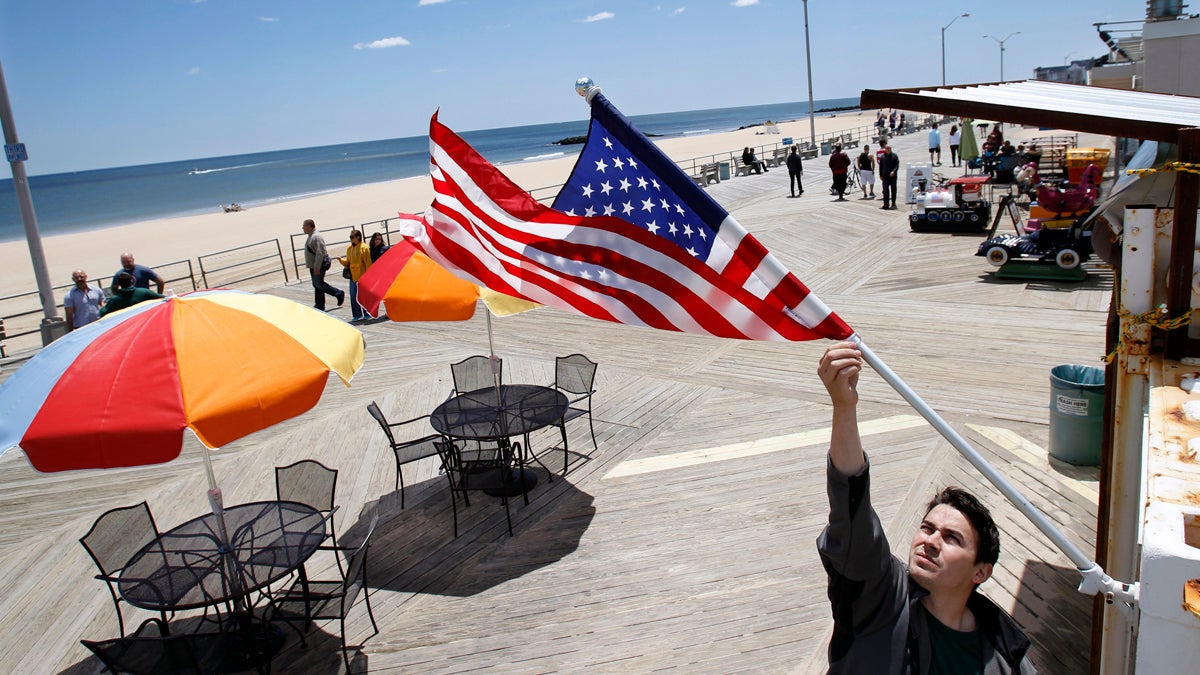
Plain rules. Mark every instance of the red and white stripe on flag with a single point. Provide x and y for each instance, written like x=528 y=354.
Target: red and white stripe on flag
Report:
x=489 y=230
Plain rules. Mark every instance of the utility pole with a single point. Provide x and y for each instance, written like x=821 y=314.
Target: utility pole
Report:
x=812 y=123
x=53 y=327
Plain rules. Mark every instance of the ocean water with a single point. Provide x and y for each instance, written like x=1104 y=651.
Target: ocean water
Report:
x=99 y=198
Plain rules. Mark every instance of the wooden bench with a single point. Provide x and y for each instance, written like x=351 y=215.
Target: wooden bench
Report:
x=740 y=168
x=808 y=151
x=849 y=141
x=778 y=158
x=709 y=173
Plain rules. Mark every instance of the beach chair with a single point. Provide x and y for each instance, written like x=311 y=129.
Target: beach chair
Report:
x=777 y=158
x=708 y=173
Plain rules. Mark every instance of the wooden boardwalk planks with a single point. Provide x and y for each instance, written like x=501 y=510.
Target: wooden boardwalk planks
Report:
x=705 y=566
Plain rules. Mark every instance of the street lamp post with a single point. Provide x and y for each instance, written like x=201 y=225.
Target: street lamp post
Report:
x=1001 y=43
x=960 y=16
x=812 y=123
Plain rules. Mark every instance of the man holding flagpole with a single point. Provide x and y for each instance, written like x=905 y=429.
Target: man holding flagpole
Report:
x=889 y=617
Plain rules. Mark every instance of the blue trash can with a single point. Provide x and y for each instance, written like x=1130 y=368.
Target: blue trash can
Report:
x=826 y=147
x=1076 y=414
x=723 y=170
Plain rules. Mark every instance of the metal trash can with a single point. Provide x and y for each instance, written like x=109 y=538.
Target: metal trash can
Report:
x=723 y=170
x=1076 y=414
x=826 y=147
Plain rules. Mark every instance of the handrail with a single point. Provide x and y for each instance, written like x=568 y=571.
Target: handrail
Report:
x=243 y=263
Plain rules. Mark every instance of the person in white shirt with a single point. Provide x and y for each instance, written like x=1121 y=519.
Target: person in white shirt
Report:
x=955 y=137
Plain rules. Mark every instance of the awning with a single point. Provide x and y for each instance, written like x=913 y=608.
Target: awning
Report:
x=1099 y=110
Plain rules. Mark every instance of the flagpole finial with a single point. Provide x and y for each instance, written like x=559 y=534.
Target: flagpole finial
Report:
x=586 y=88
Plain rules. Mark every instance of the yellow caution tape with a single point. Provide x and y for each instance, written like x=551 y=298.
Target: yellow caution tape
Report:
x=1155 y=318
x=1169 y=166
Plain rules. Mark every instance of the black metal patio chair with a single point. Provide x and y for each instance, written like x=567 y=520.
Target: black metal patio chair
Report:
x=309 y=482
x=408 y=450
x=116 y=536
x=575 y=375
x=143 y=653
x=475 y=372
x=309 y=600
x=476 y=471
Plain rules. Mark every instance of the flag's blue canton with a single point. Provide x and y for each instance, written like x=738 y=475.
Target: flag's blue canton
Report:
x=610 y=181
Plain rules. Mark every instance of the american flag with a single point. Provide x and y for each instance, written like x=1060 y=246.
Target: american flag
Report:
x=631 y=239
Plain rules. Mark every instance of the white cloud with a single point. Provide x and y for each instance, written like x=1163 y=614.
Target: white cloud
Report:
x=441 y=70
x=743 y=3
x=422 y=3
x=679 y=11
x=268 y=19
x=194 y=70
x=384 y=43
x=599 y=17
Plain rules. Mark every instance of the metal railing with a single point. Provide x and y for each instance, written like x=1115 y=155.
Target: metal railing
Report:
x=242 y=265
x=340 y=241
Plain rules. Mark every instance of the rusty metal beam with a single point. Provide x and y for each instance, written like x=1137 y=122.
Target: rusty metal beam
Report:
x=1183 y=245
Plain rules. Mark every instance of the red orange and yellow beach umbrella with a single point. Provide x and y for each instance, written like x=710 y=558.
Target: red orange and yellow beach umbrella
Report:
x=121 y=391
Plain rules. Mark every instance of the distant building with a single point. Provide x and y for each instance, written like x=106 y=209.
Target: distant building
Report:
x=1151 y=55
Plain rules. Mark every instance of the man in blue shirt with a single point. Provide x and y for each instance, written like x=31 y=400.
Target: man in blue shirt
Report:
x=82 y=303
x=935 y=146
x=142 y=275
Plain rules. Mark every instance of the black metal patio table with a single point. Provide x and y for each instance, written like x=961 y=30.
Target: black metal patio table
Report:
x=500 y=413
x=189 y=566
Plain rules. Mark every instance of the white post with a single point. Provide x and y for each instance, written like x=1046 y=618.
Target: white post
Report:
x=1125 y=465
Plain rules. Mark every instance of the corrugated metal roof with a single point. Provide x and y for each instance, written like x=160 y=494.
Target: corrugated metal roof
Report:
x=1112 y=112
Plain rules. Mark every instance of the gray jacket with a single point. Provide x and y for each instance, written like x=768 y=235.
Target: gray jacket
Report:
x=314 y=251
x=879 y=621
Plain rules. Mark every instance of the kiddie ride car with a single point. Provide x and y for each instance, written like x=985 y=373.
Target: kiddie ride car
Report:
x=1055 y=242
x=957 y=206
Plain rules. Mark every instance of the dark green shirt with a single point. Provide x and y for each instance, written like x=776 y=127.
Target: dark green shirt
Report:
x=127 y=297
x=954 y=652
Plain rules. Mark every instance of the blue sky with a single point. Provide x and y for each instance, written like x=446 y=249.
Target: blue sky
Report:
x=98 y=84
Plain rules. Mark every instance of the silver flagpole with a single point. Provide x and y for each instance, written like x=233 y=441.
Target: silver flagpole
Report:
x=1094 y=579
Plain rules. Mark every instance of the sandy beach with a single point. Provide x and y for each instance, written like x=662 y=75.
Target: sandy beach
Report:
x=166 y=240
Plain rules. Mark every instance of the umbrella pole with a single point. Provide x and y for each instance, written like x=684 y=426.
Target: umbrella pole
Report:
x=215 y=499
x=492 y=360
x=491 y=341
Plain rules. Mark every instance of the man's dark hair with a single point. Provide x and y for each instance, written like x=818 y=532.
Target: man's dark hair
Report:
x=987 y=537
x=125 y=280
